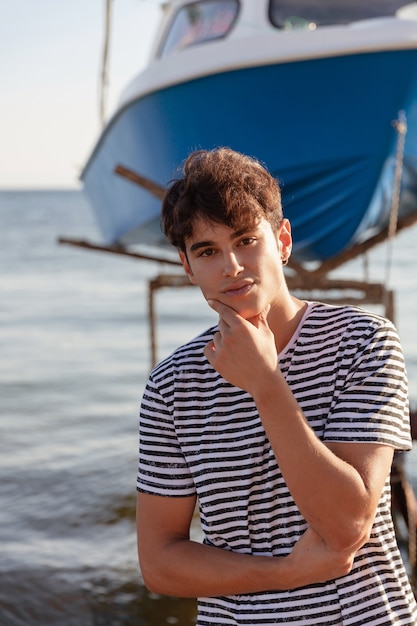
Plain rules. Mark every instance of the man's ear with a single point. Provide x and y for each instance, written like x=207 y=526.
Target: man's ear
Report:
x=186 y=266
x=285 y=239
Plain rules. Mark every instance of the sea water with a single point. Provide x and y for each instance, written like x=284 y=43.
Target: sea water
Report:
x=75 y=355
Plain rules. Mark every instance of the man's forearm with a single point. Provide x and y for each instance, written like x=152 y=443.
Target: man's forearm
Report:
x=330 y=492
x=185 y=568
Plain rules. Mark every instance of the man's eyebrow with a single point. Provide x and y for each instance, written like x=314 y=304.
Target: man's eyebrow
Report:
x=207 y=244
x=242 y=231
x=201 y=244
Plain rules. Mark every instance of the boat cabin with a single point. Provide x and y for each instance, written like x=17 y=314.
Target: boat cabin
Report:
x=194 y=23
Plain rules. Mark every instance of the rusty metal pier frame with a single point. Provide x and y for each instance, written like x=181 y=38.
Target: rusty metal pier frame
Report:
x=308 y=283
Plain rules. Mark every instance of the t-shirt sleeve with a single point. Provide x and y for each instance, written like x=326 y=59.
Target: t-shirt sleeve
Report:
x=162 y=468
x=370 y=402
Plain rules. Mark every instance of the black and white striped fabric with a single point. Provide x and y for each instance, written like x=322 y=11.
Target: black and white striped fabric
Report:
x=200 y=435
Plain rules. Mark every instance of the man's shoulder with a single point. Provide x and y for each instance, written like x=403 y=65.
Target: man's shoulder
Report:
x=348 y=315
x=187 y=356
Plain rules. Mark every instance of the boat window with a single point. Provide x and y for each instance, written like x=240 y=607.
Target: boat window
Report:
x=198 y=22
x=289 y=14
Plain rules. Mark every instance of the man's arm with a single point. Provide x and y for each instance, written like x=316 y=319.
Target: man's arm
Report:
x=335 y=486
x=172 y=564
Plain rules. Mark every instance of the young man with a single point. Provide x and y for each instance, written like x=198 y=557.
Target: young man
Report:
x=281 y=422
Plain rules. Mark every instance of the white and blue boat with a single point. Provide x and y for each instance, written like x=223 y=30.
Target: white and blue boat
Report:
x=312 y=88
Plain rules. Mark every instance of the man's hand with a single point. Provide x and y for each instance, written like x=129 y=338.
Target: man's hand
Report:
x=242 y=351
x=313 y=561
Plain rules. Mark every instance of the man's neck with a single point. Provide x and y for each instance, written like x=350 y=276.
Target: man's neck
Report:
x=285 y=320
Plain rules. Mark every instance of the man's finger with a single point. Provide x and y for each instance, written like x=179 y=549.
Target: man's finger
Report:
x=209 y=351
x=226 y=312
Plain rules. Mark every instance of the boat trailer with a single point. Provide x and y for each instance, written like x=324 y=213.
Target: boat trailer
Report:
x=313 y=283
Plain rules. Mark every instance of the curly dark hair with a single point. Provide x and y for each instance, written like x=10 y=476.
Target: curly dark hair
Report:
x=221 y=186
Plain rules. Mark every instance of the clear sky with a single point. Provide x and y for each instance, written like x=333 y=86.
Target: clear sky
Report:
x=50 y=62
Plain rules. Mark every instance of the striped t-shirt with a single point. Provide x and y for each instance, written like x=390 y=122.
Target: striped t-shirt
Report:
x=201 y=436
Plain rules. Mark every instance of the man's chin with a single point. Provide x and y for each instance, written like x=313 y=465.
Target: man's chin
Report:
x=246 y=312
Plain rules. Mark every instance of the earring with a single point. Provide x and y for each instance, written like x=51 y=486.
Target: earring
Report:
x=284 y=261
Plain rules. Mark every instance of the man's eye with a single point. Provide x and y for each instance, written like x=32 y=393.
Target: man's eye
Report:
x=207 y=252
x=246 y=241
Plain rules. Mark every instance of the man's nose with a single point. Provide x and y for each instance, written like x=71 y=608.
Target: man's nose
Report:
x=232 y=266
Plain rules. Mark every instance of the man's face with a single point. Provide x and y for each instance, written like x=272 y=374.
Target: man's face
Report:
x=239 y=268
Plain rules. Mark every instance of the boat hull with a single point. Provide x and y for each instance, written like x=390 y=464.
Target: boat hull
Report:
x=323 y=127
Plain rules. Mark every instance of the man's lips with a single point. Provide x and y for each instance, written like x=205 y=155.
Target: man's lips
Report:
x=238 y=289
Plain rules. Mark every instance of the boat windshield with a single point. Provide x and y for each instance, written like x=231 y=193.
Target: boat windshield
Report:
x=288 y=14
x=198 y=22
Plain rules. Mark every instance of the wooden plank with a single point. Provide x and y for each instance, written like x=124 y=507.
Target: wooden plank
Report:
x=118 y=249
x=155 y=189
x=357 y=250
